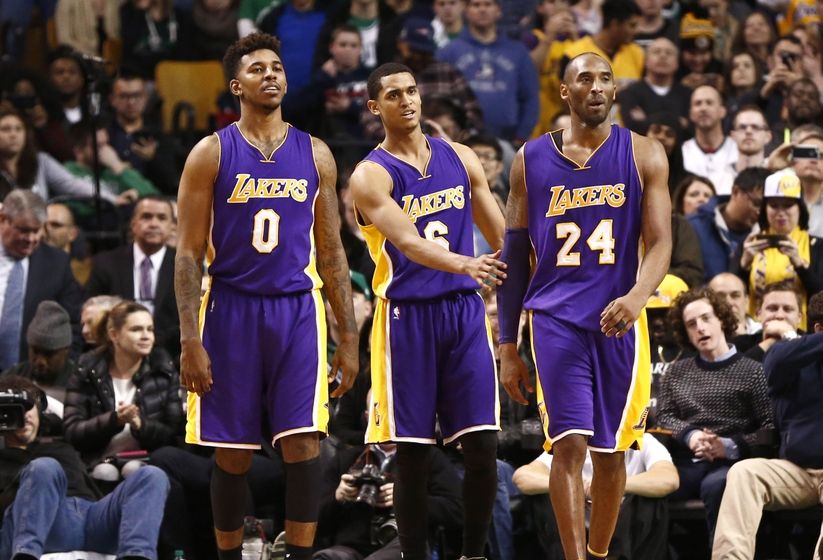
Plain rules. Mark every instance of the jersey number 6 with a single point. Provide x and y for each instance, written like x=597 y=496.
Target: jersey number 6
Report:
x=601 y=240
x=265 y=235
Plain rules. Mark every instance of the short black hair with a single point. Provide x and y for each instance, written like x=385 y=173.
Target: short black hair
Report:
x=80 y=133
x=63 y=51
x=374 y=86
x=244 y=46
x=619 y=11
x=751 y=179
x=485 y=140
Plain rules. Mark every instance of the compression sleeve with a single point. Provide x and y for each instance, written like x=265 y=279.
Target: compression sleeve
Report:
x=510 y=295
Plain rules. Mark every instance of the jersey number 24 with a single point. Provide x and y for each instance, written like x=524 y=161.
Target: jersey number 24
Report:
x=601 y=239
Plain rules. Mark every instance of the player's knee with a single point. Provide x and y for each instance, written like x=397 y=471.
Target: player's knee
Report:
x=233 y=461
x=479 y=449
x=300 y=447
x=608 y=463
x=569 y=452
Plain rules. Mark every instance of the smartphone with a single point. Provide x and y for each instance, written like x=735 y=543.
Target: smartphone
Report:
x=141 y=135
x=805 y=152
x=772 y=240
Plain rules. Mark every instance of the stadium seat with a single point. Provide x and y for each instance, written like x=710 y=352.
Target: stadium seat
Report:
x=196 y=83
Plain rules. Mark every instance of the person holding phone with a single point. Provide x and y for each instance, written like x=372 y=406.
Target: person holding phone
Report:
x=783 y=249
x=806 y=162
x=784 y=68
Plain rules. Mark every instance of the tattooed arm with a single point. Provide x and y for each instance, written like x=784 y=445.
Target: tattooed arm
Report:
x=334 y=269
x=194 y=201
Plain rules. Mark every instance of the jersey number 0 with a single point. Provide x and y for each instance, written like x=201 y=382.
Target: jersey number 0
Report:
x=266 y=233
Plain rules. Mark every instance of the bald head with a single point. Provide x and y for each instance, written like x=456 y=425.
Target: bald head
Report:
x=585 y=62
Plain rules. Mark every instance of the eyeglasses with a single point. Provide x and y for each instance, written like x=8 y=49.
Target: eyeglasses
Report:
x=756 y=201
x=752 y=127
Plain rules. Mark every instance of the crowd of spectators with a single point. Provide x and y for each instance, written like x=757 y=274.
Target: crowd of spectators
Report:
x=733 y=90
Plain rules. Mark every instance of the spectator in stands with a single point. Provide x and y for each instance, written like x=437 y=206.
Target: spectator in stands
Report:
x=144 y=270
x=554 y=30
x=641 y=528
x=722 y=227
x=658 y=91
x=785 y=250
x=697 y=64
x=22 y=166
x=744 y=78
x=135 y=140
x=810 y=172
x=30 y=272
x=710 y=153
x=784 y=68
x=731 y=288
x=49 y=364
x=66 y=75
x=499 y=72
x=116 y=176
x=61 y=232
x=692 y=193
x=443 y=118
x=152 y=30
x=85 y=26
x=60 y=509
x=795 y=480
x=249 y=13
x=751 y=133
x=126 y=394
x=490 y=154
x=298 y=24
x=352 y=529
x=715 y=403
x=92 y=317
x=214 y=27
x=448 y=20
x=378 y=24
x=801 y=105
x=652 y=25
x=667 y=129
x=614 y=41
x=756 y=35
x=779 y=315
x=725 y=25
x=687 y=260
x=435 y=79
x=331 y=103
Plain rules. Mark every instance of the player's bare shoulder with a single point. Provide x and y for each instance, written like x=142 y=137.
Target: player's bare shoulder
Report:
x=324 y=160
x=650 y=157
x=202 y=165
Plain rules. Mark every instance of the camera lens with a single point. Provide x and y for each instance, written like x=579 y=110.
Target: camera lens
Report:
x=367 y=495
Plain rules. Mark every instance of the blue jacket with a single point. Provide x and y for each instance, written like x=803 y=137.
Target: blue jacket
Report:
x=794 y=375
x=717 y=243
x=503 y=77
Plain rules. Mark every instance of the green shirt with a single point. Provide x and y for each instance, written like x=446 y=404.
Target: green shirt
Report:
x=128 y=179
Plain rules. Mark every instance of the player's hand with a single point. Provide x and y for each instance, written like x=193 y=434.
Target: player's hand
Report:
x=385 y=498
x=620 y=314
x=346 y=491
x=513 y=373
x=486 y=270
x=347 y=361
x=195 y=368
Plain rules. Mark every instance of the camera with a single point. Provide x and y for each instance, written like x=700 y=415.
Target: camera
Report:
x=805 y=152
x=788 y=59
x=369 y=480
x=14 y=403
x=383 y=529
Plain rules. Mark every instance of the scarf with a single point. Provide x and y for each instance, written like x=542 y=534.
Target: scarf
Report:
x=770 y=266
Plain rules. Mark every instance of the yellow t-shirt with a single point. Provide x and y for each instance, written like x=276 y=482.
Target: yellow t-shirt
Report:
x=550 y=102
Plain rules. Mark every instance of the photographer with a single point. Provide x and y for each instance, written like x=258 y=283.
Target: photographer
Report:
x=60 y=509
x=783 y=249
x=357 y=515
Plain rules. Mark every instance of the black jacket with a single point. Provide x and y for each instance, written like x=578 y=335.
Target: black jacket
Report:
x=794 y=376
x=112 y=274
x=90 y=417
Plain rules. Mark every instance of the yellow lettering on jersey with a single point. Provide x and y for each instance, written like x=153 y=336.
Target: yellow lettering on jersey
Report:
x=246 y=187
x=417 y=207
x=563 y=199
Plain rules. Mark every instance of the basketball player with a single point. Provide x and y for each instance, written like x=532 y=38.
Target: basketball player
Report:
x=415 y=197
x=261 y=195
x=589 y=200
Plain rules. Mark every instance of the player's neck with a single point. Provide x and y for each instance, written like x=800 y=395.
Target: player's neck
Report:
x=580 y=134
x=262 y=128
x=410 y=145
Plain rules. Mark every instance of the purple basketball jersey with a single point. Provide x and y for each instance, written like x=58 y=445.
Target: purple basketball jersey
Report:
x=584 y=224
x=439 y=205
x=262 y=236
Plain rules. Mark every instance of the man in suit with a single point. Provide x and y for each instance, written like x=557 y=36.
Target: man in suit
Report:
x=143 y=270
x=30 y=272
